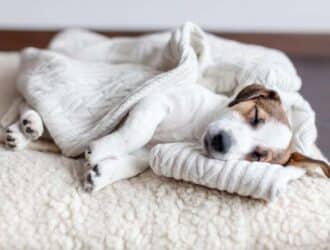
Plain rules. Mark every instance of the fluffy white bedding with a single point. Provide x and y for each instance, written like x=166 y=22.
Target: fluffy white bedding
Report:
x=43 y=207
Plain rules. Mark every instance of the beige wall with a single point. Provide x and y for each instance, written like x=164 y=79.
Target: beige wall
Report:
x=233 y=15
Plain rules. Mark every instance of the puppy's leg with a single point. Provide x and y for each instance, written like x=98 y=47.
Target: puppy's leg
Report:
x=28 y=128
x=114 y=169
x=30 y=122
x=14 y=138
x=135 y=132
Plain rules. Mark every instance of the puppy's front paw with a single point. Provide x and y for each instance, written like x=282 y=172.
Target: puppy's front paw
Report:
x=88 y=184
x=92 y=155
x=98 y=176
x=15 y=139
x=91 y=181
x=31 y=125
x=105 y=148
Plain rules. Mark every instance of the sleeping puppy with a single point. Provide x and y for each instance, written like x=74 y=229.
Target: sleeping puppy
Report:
x=252 y=127
x=255 y=127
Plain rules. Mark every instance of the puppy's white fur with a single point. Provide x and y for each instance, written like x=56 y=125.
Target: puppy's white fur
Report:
x=179 y=114
x=245 y=138
x=182 y=113
x=29 y=127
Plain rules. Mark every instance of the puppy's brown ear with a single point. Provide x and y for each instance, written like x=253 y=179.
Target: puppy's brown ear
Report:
x=255 y=91
x=302 y=161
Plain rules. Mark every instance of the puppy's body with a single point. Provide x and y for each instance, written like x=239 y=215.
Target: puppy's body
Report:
x=253 y=127
x=203 y=107
x=178 y=114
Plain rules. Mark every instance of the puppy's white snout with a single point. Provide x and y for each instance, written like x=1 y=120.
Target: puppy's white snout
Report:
x=228 y=137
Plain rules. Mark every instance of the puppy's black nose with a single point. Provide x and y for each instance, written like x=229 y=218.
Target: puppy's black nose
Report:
x=221 y=142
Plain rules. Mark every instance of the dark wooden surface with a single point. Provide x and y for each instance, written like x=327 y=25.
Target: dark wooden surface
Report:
x=315 y=73
x=314 y=45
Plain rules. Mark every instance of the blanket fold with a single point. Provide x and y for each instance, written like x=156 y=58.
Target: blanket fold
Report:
x=50 y=81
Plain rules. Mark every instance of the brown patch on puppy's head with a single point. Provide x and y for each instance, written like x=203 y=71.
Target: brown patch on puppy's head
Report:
x=254 y=127
x=257 y=96
x=255 y=91
x=268 y=106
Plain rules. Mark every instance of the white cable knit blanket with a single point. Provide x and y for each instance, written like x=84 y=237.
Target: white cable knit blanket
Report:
x=85 y=83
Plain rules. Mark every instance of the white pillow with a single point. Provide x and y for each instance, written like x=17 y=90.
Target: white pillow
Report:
x=185 y=161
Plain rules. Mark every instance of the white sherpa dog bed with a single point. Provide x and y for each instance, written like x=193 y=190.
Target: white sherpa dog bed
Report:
x=84 y=84
x=44 y=207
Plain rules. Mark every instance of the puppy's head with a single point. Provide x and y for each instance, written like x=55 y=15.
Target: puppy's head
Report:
x=253 y=127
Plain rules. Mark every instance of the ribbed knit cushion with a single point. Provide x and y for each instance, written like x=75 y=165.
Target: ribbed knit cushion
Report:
x=185 y=161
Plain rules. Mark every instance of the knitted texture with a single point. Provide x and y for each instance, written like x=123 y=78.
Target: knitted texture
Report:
x=185 y=161
x=81 y=101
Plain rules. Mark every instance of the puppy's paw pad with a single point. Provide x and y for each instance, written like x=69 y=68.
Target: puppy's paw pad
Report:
x=9 y=138
x=88 y=184
x=25 y=122
x=96 y=170
x=11 y=144
x=31 y=125
x=93 y=178
x=91 y=156
x=14 y=138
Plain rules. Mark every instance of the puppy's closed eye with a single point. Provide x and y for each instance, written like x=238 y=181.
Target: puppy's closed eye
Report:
x=258 y=155
x=256 y=118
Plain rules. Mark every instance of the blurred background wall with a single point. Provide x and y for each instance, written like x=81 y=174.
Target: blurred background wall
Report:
x=300 y=28
x=302 y=16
